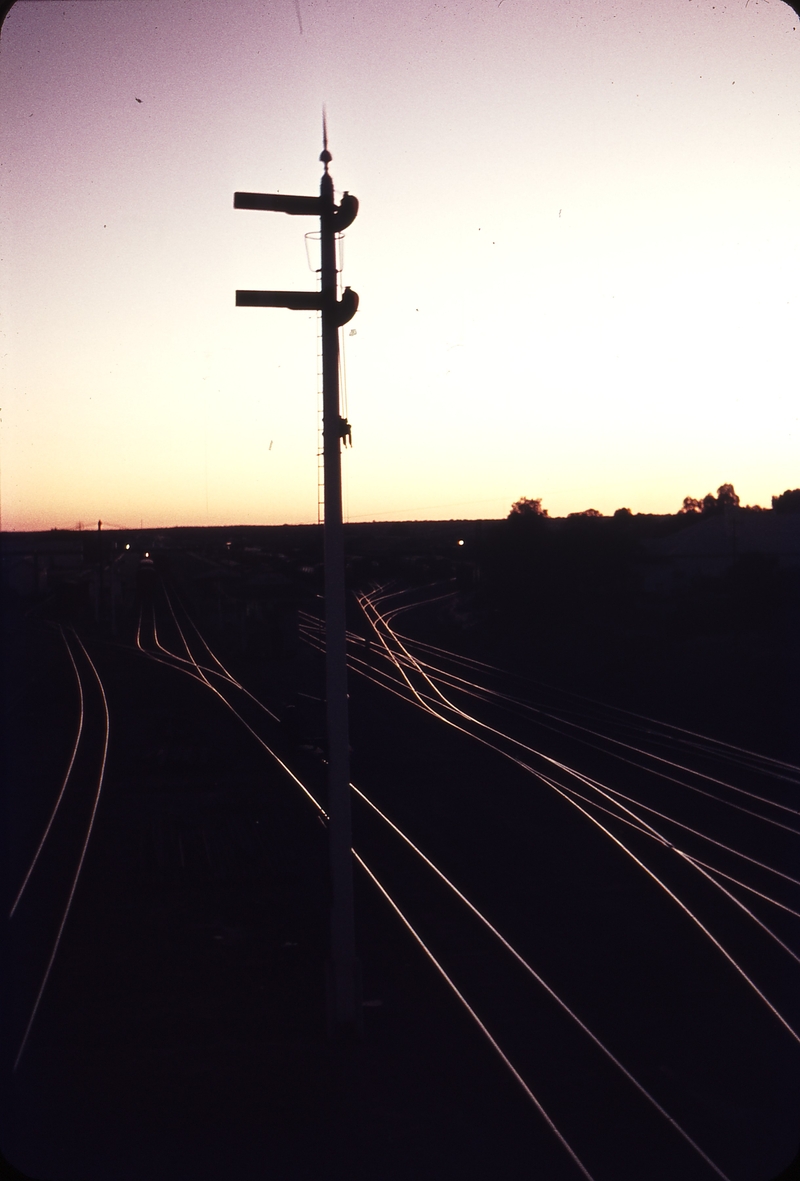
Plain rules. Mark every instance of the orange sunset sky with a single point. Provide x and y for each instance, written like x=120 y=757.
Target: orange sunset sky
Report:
x=578 y=255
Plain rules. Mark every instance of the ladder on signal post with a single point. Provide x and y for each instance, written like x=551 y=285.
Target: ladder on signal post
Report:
x=344 y=998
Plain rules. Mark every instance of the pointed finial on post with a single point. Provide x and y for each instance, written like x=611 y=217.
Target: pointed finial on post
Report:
x=325 y=155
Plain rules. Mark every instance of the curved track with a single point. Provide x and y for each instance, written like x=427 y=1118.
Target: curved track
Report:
x=750 y=869
x=186 y=651
x=56 y=864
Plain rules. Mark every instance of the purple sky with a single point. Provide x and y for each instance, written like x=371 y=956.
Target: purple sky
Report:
x=577 y=255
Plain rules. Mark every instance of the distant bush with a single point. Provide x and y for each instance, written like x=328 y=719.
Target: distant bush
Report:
x=787 y=502
x=525 y=507
x=691 y=506
x=587 y=512
x=726 y=498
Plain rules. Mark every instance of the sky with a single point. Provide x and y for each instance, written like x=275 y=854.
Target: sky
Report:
x=577 y=255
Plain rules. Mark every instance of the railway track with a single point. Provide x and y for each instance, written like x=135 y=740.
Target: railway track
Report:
x=41 y=907
x=667 y=848
x=607 y=900
x=728 y=875
x=513 y=999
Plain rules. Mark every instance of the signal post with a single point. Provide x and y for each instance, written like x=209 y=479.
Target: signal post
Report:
x=343 y=978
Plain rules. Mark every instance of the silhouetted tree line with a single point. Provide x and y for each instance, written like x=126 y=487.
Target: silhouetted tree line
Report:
x=527 y=509
x=590 y=599
x=787 y=502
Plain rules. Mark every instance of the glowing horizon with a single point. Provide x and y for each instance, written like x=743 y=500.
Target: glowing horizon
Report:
x=576 y=254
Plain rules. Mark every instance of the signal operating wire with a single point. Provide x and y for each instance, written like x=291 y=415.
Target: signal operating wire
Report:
x=673 y=738
x=740 y=904
x=201 y=669
x=213 y=656
x=705 y=837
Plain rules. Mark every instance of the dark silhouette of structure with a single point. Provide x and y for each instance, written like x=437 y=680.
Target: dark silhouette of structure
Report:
x=344 y=1000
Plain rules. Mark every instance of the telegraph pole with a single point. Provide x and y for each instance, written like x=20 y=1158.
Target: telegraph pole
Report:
x=343 y=983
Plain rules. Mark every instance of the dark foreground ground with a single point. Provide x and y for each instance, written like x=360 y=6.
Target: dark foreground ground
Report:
x=182 y=1031
x=182 y=1034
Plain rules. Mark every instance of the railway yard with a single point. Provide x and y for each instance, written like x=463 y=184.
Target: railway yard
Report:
x=578 y=913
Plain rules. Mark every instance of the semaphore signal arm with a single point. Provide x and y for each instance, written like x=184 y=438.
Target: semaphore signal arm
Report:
x=334 y=219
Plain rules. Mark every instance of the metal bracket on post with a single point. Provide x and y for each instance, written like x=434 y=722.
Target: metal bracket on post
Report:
x=343 y=989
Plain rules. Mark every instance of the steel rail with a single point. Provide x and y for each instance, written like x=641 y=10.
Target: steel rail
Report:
x=607 y=706
x=744 y=886
x=483 y=693
x=737 y=967
x=201 y=676
x=616 y=742
x=543 y=983
x=509 y=738
x=697 y=864
x=505 y=943
x=64 y=782
x=503 y=1056
x=225 y=674
x=355 y=661
x=81 y=859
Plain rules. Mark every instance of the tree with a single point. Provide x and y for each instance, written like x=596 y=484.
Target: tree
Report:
x=726 y=497
x=787 y=502
x=587 y=512
x=526 y=508
x=623 y=512
x=710 y=504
